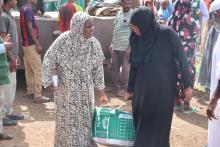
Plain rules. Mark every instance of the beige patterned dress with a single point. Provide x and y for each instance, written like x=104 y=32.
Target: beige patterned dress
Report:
x=78 y=62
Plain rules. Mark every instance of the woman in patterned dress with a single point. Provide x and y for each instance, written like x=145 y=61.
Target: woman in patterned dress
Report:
x=76 y=57
x=184 y=24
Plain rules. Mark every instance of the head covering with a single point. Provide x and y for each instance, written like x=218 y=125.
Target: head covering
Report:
x=78 y=47
x=141 y=46
x=214 y=6
x=77 y=26
x=77 y=23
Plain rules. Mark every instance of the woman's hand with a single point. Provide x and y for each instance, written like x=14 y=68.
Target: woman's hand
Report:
x=13 y=65
x=188 y=94
x=8 y=38
x=103 y=99
x=8 y=45
x=128 y=96
x=39 y=49
x=51 y=88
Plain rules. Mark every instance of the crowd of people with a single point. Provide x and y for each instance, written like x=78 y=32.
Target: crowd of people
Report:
x=153 y=46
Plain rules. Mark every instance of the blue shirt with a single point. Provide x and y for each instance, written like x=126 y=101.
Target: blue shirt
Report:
x=165 y=14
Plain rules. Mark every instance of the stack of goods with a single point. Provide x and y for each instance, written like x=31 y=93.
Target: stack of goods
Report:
x=104 y=7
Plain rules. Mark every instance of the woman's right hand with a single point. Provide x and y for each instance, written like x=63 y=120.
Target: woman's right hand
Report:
x=103 y=99
x=51 y=88
x=8 y=45
x=8 y=38
x=128 y=96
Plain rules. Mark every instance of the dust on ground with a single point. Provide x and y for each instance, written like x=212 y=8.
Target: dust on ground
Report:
x=37 y=130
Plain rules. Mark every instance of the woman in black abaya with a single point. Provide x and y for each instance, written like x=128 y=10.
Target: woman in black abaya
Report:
x=155 y=49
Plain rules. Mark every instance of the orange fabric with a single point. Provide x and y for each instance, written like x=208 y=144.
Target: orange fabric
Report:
x=208 y=3
x=65 y=15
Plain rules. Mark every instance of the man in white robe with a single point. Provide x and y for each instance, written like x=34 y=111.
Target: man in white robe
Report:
x=213 y=111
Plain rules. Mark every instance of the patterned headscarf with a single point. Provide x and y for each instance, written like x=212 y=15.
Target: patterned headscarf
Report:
x=77 y=22
x=76 y=33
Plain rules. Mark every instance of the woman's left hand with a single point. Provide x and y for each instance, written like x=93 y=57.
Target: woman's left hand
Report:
x=188 y=94
x=103 y=99
x=51 y=88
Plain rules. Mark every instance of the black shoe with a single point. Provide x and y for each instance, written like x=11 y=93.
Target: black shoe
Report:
x=15 y=116
x=9 y=122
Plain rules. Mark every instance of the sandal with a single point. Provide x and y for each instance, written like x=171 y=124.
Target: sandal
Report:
x=4 y=136
x=179 y=107
x=190 y=110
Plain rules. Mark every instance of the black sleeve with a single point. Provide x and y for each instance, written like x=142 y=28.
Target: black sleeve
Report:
x=132 y=77
x=181 y=58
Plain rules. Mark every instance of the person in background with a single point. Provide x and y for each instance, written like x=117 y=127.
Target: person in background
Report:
x=206 y=64
x=32 y=52
x=20 y=3
x=8 y=27
x=200 y=12
x=76 y=58
x=213 y=111
x=201 y=15
x=121 y=48
x=165 y=11
x=183 y=23
x=151 y=5
x=152 y=82
x=66 y=13
x=4 y=47
x=40 y=8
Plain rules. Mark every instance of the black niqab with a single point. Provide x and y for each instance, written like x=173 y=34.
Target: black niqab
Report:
x=141 y=46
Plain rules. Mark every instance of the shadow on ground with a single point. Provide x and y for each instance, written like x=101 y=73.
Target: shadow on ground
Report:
x=19 y=137
x=194 y=118
x=197 y=117
x=33 y=113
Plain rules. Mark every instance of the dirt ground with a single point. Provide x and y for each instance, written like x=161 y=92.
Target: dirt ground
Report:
x=37 y=130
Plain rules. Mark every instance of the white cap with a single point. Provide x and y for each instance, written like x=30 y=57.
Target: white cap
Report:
x=214 y=6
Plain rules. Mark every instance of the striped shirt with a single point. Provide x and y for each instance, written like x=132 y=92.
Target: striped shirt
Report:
x=121 y=31
x=26 y=14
